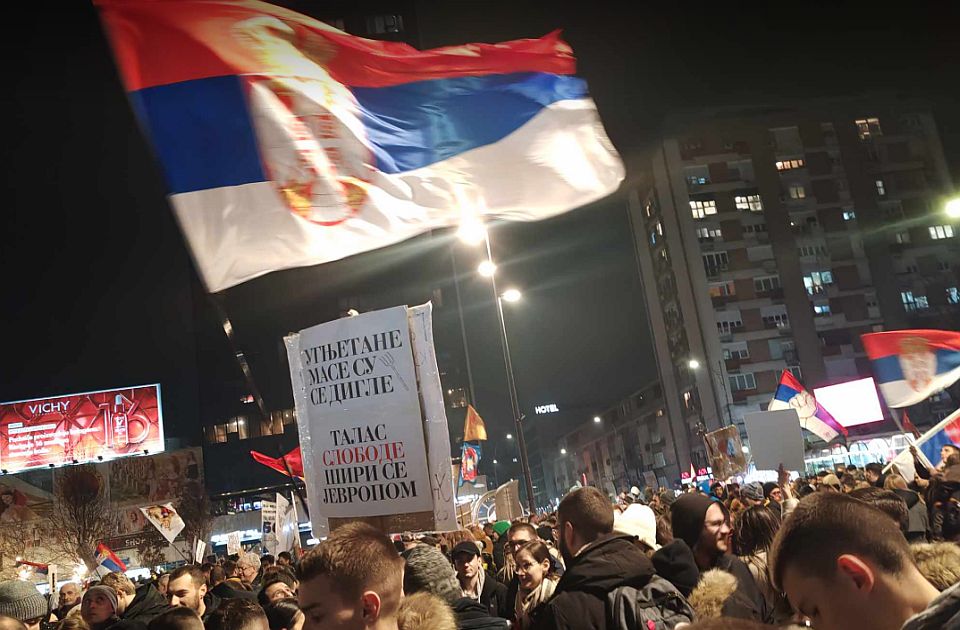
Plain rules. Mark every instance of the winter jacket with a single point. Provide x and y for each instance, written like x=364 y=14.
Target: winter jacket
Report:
x=676 y=564
x=580 y=598
x=471 y=615
x=918 y=520
x=210 y=602
x=494 y=598
x=147 y=603
x=943 y=613
x=232 y=589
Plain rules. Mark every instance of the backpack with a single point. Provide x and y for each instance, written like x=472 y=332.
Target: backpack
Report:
x=657 y=605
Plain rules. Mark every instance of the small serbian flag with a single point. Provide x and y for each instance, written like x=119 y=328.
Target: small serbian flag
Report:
x=109 y=560
x=813 y=417
x=945 y=432
x=286 y=142
x=38 y=567
x=912 y=365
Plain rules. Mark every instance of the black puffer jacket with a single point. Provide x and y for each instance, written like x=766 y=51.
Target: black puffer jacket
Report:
x=472 y=615
x=603 y=565
x=147 y=604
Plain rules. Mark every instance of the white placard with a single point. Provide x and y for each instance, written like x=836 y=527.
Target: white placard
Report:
x=358 y=412
x=165 y=519
x=233 y=543
x=775 y=438
x=434 y=417
x=268 y=527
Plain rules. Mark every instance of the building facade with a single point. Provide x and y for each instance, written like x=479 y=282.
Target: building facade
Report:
x=627 y=445
x=771 y=239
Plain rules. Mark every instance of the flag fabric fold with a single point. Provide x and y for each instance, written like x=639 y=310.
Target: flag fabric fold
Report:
x=791 y=394
x=107 y=559
x=469 y=462
x=474 y=430
x=294 y=460
x=286 y=143
x=945 y=432
x=912 y=365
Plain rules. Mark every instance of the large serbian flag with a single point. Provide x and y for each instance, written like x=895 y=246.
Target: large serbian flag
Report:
x=791 y=394
x=912 y=365
x=287 y=143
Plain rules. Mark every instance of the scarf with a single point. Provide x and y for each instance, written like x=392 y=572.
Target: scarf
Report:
x=481 y=574
x=525 y=605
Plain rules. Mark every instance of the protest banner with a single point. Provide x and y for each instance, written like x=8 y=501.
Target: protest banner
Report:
x=268 y=526
x=233 y=543
x=508 y=505
x=725 y=452
x=199 y=548
x=775 y=438
x=361 y=421
x=165 y=519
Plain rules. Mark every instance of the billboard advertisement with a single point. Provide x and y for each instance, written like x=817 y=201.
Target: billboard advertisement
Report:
x=78 y=428
x=851 y=403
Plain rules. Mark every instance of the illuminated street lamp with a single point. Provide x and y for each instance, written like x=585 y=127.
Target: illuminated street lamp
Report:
x=509 y=436
x=952 y=208
x=472 y=231
x=693 y=364
x=596 y=419
x=563 y=451
x=487 y=269
x=511 y=295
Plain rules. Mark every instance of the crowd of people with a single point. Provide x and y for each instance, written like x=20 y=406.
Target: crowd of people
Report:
x=845 y=548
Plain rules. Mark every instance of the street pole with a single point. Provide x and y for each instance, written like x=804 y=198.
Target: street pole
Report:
x=512 y=387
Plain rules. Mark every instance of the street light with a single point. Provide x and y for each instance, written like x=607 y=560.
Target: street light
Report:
x=495 y=462
x=693 y=364
x=596 y=419
x=563 y=451
x=509 y=436
x=472 y=231
x=511 y=295
x=952 y=208
x=487 y=269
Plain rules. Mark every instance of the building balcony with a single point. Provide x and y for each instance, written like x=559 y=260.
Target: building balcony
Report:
x=743 y=394
x=775 y=294
x=733 y=363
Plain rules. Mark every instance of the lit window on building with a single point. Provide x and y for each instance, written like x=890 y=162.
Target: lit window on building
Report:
x=700 y=209
x=722 y=289
x=881 y=188
x=766 y=283
x=912 y=303
x=708 y=233
x=742 y=382
x=748 y=202
x=687 y=399
x=821 y=309
x=789 y=165
x=902 y=237
x=938 y=232
x=868 y=128
x=798 y=192
x=849 y=215
x=816 y=281
x=953 y=295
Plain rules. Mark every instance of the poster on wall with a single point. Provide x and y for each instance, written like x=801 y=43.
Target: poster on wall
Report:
x=80 y=428
x=361 y=418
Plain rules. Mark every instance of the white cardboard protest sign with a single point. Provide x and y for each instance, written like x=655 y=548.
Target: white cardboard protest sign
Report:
x=775 y=438
x=358 y=411
x=233 y=543
x=268 y=526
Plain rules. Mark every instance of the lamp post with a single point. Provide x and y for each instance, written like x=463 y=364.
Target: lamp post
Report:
x=473 y=232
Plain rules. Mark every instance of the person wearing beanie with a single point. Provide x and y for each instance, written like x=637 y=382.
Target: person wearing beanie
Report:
x=22 y=601
x=774 y=496
x=752 y=494
x=428 y=571
x=640 y=522
x=704 y=526
x=99 y=607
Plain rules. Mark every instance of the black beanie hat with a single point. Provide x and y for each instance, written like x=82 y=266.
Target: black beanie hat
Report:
x=686 y=516
x=768 y=488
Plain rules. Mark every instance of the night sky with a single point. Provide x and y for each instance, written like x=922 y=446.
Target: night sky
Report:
x=100 y=291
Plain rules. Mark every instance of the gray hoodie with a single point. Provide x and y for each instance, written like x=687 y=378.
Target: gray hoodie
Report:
x=943 y=613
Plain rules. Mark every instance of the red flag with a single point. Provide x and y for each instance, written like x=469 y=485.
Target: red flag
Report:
x=909 y=425
x=473 y=428
x=294 y=461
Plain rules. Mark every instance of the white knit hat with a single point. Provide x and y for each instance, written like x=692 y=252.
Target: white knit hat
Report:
x=637 y=520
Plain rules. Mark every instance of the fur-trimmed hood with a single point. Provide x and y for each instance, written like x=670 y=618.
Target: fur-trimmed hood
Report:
x=423 y=611
x=939 y=562
x=711 y=593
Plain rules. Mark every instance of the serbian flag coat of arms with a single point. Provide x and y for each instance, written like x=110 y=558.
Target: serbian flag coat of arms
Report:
x=912 y=365
x=106 y=558
x=791 y=394
x=286 y=142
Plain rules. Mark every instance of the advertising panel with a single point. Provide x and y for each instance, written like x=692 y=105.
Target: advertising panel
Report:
x=79 y=428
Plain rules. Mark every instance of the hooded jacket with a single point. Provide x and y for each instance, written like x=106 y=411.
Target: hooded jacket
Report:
x=943 y=613
x=472 y=615
x=917 y=519
x=580 y=598
x=210 y=603
x=147 y=603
